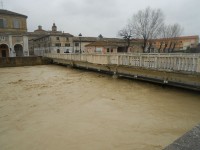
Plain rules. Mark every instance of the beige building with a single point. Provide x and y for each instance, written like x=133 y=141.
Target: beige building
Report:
x=169 y=45
x=79 y=43
x=13 y=34
x=113 y=46
x=53 y=41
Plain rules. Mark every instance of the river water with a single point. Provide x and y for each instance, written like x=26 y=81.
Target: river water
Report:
x=57 y=108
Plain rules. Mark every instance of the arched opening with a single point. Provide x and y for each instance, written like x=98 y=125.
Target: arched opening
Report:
x=4 y=50
x=18 y=50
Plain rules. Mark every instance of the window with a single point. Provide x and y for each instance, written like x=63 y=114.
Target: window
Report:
x=2 y=38
x=58 y=50
x=67 y=44
x=57 y=38
x=76 y=44
x=2 y=23
x=58 y=44
x=16 y=24
x=67 y=51
x=98 y=49
x=111 y=50
x=108 y=50
x=67 y=39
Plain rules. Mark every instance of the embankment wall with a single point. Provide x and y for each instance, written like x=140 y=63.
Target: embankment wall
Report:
x=23 y=61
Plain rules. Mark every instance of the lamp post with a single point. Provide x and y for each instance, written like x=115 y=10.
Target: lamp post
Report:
x=80 y=35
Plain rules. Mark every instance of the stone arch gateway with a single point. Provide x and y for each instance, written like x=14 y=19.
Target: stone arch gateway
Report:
x=4 y=50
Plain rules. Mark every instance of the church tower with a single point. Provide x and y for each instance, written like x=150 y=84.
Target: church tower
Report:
x=54 y=27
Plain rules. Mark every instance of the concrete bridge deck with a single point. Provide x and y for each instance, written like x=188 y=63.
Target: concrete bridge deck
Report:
x=189 y=141
x=181 y=70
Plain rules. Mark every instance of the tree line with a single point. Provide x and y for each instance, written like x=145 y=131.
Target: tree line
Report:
x=148 y=25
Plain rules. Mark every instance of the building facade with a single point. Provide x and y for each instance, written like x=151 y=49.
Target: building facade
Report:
x=113 y=46
x=80 y=43
x=13 y=34
x=53 y=43
x=169 y=45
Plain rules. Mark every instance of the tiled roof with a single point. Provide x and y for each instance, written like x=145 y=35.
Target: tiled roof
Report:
x=177 y=38
x=94 y=39
x=115 y=42
x=85 y=39
x=7 y=12
x=50 y=34
x=181 y=38
x=107 y=43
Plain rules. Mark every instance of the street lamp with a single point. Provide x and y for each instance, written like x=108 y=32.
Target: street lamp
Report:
x=80 y=35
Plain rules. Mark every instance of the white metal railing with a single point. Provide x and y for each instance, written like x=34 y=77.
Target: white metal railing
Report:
x=159 y=61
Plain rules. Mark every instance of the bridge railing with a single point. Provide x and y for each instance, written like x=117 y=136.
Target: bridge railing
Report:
x=158 y=61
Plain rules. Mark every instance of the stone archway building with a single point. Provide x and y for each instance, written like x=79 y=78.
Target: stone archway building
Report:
x=13 y=33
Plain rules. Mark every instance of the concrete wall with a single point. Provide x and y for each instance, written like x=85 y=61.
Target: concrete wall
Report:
x=23 y=61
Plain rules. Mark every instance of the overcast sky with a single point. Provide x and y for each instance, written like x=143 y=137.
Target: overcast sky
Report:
x=106 y=17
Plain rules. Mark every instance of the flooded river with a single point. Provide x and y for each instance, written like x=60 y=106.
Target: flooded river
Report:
x=60 y=108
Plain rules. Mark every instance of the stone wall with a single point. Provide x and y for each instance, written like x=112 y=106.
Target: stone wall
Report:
x=23 y=61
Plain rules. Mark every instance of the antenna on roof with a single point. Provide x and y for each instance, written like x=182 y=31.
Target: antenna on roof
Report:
x=1 y=4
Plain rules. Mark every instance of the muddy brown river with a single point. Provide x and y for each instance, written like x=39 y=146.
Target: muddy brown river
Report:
x=60 y=108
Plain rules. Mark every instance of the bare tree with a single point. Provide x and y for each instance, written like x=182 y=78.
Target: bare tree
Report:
x=169 y=34
x=126 y=33
x=147 y=24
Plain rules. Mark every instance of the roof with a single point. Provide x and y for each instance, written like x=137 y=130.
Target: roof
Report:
x=7 y=12
x=94 y=39
x=85 y=39
x=181 y=38
x=107 y=43
x=115 y=42
x=52 y=34
x=177 y=38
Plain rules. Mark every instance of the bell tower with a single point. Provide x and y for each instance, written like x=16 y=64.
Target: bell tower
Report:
x=54 y=27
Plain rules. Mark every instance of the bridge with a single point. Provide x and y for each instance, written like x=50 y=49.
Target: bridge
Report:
x=181 y=70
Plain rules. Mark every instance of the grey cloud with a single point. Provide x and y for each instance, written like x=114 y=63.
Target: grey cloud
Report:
x=92 y=17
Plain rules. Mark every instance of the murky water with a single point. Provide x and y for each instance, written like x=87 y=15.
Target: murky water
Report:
x=57 y=108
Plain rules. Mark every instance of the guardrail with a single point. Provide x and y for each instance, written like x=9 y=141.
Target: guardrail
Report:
x=157 y=61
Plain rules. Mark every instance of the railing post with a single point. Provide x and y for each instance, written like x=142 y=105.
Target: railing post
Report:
x=198 y=65
x=117 y=59
x=140 y=61
x=156 y=62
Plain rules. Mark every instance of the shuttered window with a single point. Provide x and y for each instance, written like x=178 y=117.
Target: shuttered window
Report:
x=3 y=23
x=16 y=24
